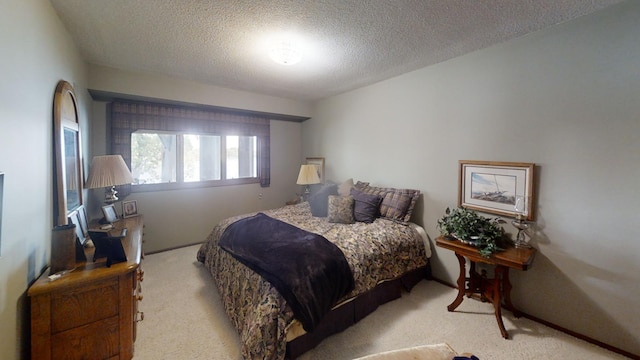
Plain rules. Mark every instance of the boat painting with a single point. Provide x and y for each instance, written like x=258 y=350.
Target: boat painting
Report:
x=493 y=187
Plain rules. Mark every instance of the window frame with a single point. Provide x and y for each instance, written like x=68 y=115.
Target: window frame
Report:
x=126 y=116
x=180 y=183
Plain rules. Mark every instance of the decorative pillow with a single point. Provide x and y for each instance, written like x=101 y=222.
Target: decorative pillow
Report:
x=366 y=208
x=360 y=185
x=340 y=209
x=344 y=189
x=372 y=190
x=398 y=204
x=320 y=198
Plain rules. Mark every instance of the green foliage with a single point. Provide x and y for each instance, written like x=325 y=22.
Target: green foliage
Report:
x=467 y=225
x=146 y=157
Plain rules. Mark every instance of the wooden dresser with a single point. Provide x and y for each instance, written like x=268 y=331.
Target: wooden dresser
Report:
x=91 y=312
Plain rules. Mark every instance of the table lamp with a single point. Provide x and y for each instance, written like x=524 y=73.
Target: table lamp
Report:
x=520 y=222
x=108 y=171
x=308 y=175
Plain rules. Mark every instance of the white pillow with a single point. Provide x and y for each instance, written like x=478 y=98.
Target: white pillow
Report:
x=344 y=189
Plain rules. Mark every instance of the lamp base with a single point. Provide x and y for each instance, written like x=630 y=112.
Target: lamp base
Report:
x=110 y=195
x=522 y=227
x=521 y=243
x=306 y=193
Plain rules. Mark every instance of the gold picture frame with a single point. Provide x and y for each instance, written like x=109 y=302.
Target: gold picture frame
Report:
x=493 y=187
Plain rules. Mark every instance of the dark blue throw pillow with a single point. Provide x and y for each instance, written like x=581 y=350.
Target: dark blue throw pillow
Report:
x=366 y=207
x=319 y=200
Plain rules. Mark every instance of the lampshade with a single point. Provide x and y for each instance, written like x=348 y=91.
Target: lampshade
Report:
x=308 y=175
x=108 y=171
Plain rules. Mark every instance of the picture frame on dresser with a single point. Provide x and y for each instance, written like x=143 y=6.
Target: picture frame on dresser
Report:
x=493 y=187
x=74 y=218
x=82 y=218
x=109 y=213
x=129 y=208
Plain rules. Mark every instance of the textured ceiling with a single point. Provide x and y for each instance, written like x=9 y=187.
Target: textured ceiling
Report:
x=347 y=44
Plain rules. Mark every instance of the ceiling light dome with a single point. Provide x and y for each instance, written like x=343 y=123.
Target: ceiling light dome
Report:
x=285 y=52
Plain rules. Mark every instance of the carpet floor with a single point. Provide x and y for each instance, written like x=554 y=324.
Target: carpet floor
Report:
x=184 y=319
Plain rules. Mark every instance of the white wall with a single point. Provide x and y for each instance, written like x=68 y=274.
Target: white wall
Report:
x=172 y=88
x=567 y=99
x=37 y=52
x=180 y=217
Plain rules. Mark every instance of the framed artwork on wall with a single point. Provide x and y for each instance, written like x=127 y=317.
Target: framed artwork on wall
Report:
x=501 y=188
x=319 y=163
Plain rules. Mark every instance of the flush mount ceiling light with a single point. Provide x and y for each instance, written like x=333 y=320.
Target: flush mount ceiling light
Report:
x=285 y=51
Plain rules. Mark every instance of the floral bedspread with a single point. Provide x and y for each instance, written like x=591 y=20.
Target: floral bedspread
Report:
x=382 y=250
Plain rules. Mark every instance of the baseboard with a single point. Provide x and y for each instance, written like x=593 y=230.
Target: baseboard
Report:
x=171 y=248
x=560 y=328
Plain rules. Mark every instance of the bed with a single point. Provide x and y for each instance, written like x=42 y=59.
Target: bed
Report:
x=385 y=255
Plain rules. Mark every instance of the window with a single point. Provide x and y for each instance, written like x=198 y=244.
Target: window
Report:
x=165 y=157
x=173 y=146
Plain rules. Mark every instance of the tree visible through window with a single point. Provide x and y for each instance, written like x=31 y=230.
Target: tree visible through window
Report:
x=169 y=146
x=164 y=157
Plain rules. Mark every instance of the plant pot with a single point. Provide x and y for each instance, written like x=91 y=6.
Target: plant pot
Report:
x=473 y=241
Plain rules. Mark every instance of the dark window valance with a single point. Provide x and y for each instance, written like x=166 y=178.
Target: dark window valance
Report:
x=128 y=117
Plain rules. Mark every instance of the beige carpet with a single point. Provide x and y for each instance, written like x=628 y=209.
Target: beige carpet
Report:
x=184 y=319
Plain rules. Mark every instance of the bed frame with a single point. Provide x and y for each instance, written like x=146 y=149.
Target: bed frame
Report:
x=351 y=312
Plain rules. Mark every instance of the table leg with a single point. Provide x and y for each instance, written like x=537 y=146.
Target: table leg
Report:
x=495 y=292
x=461 y=284
x=506 y=291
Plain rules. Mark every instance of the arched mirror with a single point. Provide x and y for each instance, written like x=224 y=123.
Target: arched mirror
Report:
x=68 y=154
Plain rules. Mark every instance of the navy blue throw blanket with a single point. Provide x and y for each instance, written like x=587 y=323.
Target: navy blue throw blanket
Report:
x=309 y=271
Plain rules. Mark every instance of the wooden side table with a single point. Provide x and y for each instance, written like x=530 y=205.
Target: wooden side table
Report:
x=496 y=290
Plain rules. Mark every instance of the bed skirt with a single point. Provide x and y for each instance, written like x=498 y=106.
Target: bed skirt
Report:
x=353 y=311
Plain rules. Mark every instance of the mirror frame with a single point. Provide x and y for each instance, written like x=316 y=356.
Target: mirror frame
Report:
x=66 y=121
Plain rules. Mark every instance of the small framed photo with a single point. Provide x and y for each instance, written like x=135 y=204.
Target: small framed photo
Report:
x=109 y=212
x=74 y=218
x=82 y=218
x=501 y=188
x=319 y=163
x=129 y=208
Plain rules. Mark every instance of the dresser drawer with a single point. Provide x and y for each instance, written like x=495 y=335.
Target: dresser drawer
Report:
x=100 y=339
x=84 y=305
